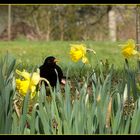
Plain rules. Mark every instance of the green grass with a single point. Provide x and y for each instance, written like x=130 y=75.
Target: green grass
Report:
x=33 y=53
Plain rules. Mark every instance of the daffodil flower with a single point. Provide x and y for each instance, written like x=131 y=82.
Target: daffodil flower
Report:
x=129 y=49
x=77 y=52
x=28 y=82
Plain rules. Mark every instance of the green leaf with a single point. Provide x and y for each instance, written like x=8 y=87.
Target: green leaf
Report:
x=33 y=119
x=127 y=126
x=24 y=112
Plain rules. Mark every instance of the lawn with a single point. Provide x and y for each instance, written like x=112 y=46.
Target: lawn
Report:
x=33 y=53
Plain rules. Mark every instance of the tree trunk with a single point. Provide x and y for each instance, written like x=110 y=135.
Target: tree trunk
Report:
x=48 y=26
x=61 y=28
x=112 y=25
x=138 y=26
x=138 y=31
x=36 y=25
x=9 y=22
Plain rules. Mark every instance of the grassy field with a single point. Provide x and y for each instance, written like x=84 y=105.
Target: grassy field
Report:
x=33 y=53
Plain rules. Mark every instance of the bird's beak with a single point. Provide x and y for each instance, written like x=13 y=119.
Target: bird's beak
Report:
x=56 y=60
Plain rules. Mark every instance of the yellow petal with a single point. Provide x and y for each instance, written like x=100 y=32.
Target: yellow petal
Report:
x=131 y=43
x=24 y=74
x=32 y=88
x=85 y=60
x=24 y=85
x=134 y=52
x=33 y=95
x=35 y=78
x=18 y=82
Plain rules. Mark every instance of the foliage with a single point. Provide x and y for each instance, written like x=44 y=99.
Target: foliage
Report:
x=7 y=91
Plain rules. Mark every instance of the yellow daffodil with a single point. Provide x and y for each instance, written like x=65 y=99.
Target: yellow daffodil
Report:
x=129 y=49
x=77 y=52
x=28 y=83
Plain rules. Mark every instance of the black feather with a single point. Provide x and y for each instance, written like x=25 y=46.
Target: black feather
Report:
x=51 y=71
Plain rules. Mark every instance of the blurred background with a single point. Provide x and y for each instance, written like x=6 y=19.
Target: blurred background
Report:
x=68 y=22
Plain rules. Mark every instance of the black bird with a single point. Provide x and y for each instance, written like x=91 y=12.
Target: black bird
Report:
x=51 y=71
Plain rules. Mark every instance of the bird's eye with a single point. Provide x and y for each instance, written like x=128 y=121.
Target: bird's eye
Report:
x=49 y=61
